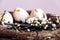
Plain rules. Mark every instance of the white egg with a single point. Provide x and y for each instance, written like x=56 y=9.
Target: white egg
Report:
x=40 y=14
x=20 y=14
x=7 y=18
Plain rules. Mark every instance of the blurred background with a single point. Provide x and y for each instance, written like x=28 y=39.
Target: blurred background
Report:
x=49 y=6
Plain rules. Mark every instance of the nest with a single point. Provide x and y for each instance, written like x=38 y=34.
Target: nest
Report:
x=14 y=34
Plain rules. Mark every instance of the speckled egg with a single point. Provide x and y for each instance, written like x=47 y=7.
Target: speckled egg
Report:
x=40 y=14
x=20 y=14
x=7 y=18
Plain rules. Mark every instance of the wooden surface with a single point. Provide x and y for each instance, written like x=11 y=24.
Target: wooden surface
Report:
x=41 y=35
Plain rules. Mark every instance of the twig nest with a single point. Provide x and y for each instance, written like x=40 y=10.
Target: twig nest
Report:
x=1 y=13
x=20 y=14
x=7 y=18
x=40 y=14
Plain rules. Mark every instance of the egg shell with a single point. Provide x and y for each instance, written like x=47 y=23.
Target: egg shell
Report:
x=40 y=14
x=20 y=14
x=7 y=18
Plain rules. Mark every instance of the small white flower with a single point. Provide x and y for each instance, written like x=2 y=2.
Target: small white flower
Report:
x=31 y=20
x=54 y=25
x=18 y=25
x=46 y=27
x=43 y=22
x=36 y=24
x=28 y=30
x=49 y=19
x=57 y=21
x=50 y=22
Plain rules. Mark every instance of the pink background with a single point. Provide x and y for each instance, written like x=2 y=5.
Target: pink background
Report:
x=50 y=6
